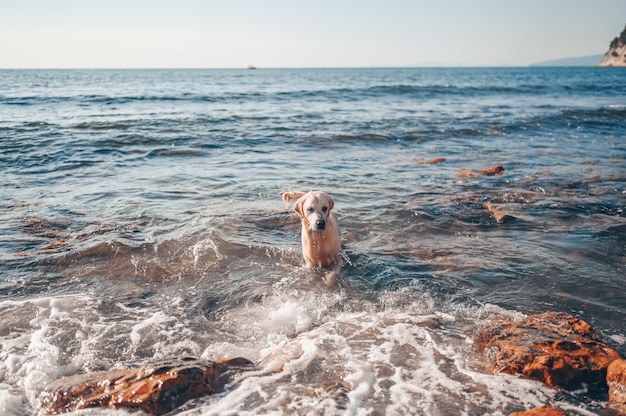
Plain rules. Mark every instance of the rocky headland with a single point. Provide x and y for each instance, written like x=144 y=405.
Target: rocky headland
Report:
x=616 y=55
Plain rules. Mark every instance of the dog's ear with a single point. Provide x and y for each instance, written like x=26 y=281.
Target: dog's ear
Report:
x=331 y=203
x=299 y=206
x=289 y=196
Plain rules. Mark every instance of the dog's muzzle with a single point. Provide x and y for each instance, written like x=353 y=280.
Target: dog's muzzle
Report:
x=320 y=224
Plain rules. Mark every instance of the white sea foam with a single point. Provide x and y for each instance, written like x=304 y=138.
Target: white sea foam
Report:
x=11 y=402
x=388 y=363
x=52 y=337
x=311 y=357
x=361 y=382
x=30 y=356
x=205 y=249
x=291 y=318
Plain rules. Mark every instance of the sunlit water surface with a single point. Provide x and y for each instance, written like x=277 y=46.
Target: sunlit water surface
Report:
x=141 y=220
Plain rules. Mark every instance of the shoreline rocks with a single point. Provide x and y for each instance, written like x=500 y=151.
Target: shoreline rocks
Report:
x=541 y=411
x=555 y=348
x=156 y=388
x=559 y=350
x=616 y=379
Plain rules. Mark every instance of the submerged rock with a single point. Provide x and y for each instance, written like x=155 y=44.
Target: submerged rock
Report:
x=556 y=348
x=498 y=213
x=490 y=171
x=156 y=388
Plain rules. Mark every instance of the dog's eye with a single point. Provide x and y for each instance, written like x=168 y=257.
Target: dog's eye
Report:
x=310 y=209
x=324 y=209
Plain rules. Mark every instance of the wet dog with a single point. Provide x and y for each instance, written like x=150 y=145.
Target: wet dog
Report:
x=321 y=246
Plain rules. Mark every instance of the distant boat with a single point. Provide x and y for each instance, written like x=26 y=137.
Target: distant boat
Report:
x=251 y=67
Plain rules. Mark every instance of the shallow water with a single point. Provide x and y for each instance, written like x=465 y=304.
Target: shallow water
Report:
x=141 y=219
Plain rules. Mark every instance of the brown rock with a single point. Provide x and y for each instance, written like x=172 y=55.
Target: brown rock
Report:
x=556 y=348
x=616 y=379
x=491 y=171
x=436 y=160
x=498 y=213
x=35 y=224
x=55 y=244
x=541 y=411
x=156 y=388
x=466 y=174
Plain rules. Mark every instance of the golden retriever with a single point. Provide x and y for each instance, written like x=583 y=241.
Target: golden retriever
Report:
x=321 y=246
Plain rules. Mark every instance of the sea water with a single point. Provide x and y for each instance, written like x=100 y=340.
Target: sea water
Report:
x=140 y=219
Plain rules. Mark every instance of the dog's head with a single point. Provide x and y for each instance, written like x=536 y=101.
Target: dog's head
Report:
x=314 y=208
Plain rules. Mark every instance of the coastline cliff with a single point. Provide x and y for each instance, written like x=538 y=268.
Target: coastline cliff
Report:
x=616 y=55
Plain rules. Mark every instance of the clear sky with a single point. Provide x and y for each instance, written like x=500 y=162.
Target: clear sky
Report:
x=299 y=33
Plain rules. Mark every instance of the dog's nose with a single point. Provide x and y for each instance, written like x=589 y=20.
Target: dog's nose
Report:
x=320 y=224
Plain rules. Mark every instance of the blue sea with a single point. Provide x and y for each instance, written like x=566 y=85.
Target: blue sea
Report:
x=140 y=219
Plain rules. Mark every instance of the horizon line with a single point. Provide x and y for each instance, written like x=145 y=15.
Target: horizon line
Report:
x=248 y=68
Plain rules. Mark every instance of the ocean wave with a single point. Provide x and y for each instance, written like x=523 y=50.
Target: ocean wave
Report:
x=604 y=113
x=101 y=125
x=417 y=91
x=605 y=118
